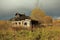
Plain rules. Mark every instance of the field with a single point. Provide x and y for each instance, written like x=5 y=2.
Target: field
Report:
x=42 y=33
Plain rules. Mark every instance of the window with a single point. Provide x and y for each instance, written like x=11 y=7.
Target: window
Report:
x=19 y=23
x=25 y=23
x=15 y=23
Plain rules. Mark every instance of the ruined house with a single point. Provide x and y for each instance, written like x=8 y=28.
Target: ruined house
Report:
x=21 y=20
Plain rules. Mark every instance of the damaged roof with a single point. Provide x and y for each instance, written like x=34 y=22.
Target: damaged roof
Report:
x=20 y=17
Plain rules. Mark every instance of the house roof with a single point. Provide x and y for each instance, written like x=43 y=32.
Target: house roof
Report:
x=21 y=17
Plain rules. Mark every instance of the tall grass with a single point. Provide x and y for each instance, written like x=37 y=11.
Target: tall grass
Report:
x=42 y=33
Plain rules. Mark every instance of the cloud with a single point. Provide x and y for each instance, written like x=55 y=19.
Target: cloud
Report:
x=13 y=4
x=58 y=18
x=10 y=7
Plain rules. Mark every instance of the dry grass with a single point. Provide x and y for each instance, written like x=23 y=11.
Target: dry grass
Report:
x=42 y=33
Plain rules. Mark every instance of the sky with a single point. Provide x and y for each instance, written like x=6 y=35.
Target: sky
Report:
x=8 y=8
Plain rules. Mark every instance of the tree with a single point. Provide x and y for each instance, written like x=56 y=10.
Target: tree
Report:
x=37 y=14
x=48 y=20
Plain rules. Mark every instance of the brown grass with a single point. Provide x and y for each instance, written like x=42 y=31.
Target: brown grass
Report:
x=42 y=33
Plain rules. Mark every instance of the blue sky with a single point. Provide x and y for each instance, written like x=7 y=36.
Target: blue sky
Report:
x=9 y=7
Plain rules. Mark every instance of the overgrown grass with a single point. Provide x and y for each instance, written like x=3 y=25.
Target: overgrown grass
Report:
x=37 y=34
x=43 y=33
